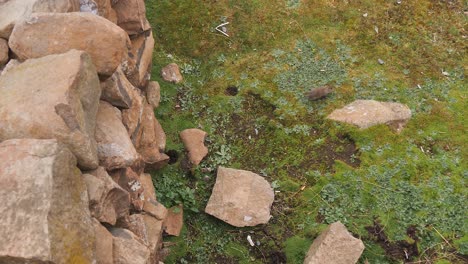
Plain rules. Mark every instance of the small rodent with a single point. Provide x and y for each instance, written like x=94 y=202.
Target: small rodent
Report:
x=319 y=93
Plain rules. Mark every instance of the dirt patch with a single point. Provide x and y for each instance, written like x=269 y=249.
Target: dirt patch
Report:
x=398 y=250
x=231 y=90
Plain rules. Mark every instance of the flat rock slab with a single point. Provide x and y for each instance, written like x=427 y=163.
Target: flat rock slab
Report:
x=44 y=210
x=240 y=198
x=102 y=39
x=56 y=96
x=367 y=113
x=335 y=245
x=174 y=220
x=194 y=142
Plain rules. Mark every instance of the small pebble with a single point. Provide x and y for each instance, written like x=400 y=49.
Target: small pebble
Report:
x=381 y=62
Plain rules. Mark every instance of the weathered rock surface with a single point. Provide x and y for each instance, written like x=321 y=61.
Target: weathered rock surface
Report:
x=174 y=221
x=44 y=210
x=367 y=113
x=115 y=149
x=102 y=39
x=240 y=198
x=116 y=90
x=104 y=244
x=147 y=183
x=149 y=230
x=131 y=16
x=335 y=245
x=37 y=104
x=99 y=7
x=3 y=52
x=193 y=140
x=128 y=248
x=160 y=136
x=171 y=73
x=142 y=56
x=12 y=11
x=131 y=117
x=9 y=66
x=130 y=181
x=107 y=200
x=153 y=94
x=155 y=209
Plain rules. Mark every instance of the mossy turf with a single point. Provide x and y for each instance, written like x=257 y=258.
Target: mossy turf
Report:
x=403 y=194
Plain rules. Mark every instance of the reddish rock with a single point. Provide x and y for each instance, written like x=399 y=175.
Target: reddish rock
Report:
x=153 y=94
x=174 y=221
x=61 y=105
x=44 y=210
x=131 y=117
x=99 y=7
x=115 y=149
x=240 y=198
x=104 y=244
x=3 y=52
x=155 y=209
x=193 y=140
x=160 y=136
x=147 y=182
x=103 y=40
x=149 y=230
x=171 y=73
x=128 y=248
x=116 y=90
x=335 y=245
x=131 y=16
x=142 y=56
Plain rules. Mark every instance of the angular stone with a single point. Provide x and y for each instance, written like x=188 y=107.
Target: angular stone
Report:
x=44 y=211
x=335 y=245
x=174 y=220
x=147 y=182
x=240 y=198
x=193 y=140
x=171 y=73
x=131 y=16
x=9 y=66
x=99 y=7
x=37 y=104
x=102 y=39
x=153 y=94
x=149 y=230
x=160 y=136
x=116 y=90
x=12 y=11
x=367 y=113
x=142 y=56
x=107 y=200
x=155 y=209
x=115 y=149
x=3 y=52
x=128 y=248
x=130 y=181
x=104 y=244
x=131 y=117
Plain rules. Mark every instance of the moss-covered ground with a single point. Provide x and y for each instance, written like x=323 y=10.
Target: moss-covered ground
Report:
x=403 y=194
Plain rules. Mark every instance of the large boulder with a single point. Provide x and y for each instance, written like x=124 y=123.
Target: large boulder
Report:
x=240 y=198
x=12 y=11
x=142 y=56
x=335 y=245
x=3 y=52
x=107 y=200
x=131 y=16
x=367 y=113
x=102 y=39
x=115 y=149
x=128 y=248
x=104 y=244
x=116 y=90
x=194 y=142
x=56 y=96
x=44 y=210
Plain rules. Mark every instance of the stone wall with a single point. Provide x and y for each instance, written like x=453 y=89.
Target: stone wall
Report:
x=78 y=133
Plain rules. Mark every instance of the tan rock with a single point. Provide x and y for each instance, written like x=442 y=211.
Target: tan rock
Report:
x=44 y=210
x=107 y=200
x=62 y=105
x=103 y=40
x=99 y=7
x=131 y=117
x=155 y=209
x=115 y=149
x=147 y=182
x=193 y=140
x=171 y=73
x=116 y=90
x=335 y=245
x=153 y=94
x=9 y=66
x=3 y=52
x=128 y=248
x=104 y=244
x=240 y=198
x=142 y=56
x=12 y=11
x=174 y=220
x=130 y=181
x=367 y=113
x=160 y=136
x=131 y=16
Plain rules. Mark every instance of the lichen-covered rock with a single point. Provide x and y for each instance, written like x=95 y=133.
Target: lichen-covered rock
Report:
x=142 y=56
x=3 y=52
x=103 y=40
x=115 y=149
x=367 y=113
x=56 y=96
x=44 y=210
x=335 y=245
x=240 y=198
x=194 y=142
x=104 y=244
x=131 y=16
x=12 y=11
x=153 y=94
x=128 y=248
x=116 y=90
x=171 y=73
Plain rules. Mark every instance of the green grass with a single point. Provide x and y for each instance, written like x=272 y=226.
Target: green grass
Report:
x=278 y=50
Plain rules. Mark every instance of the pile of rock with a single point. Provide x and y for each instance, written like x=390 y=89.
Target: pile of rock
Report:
x=78 y=132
